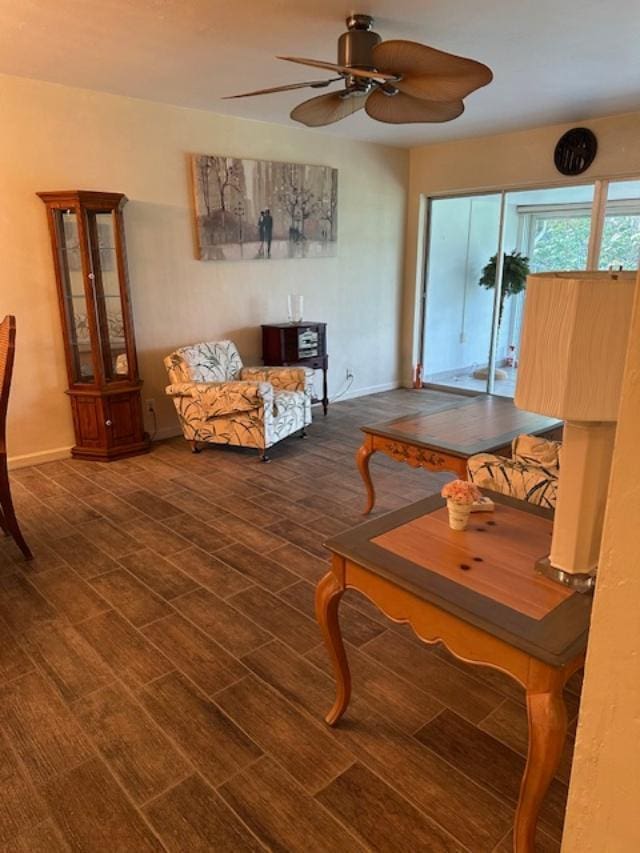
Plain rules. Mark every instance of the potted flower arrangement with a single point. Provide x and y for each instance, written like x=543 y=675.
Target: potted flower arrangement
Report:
x=460 y=495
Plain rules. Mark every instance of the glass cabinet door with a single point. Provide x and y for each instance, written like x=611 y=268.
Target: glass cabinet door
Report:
x=76 y=307
x=109 y=292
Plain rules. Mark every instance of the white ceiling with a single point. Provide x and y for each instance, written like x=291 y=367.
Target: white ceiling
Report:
x=553 y=61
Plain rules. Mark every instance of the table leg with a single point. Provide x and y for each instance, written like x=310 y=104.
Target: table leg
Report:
x=547 y=731
x=362 y=458
x=329 y=591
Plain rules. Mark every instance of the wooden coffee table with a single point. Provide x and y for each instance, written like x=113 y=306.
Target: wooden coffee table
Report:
x=475 y=591
x=444 y=440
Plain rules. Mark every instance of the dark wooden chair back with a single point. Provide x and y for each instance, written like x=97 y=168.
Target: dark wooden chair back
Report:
x=7 y=354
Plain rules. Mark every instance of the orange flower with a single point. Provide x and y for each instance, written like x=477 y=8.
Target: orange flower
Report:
x=461 y=492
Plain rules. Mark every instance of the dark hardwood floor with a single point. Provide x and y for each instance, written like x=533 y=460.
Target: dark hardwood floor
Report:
x=163 y=681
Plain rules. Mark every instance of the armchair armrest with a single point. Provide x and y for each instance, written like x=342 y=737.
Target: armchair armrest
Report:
x=224 y=398
x=180 y=389
x=282 y=378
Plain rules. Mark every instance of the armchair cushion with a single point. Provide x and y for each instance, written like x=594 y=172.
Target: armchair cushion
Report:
x=224 y=398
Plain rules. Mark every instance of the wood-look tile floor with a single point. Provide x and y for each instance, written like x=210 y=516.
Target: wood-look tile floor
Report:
x=163 y=682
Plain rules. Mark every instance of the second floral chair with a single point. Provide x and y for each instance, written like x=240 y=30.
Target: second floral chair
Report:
x=220 y=401
x=531 y=474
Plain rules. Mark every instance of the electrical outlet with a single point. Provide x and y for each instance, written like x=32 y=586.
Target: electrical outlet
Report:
x=349 y=374
x=150 y=405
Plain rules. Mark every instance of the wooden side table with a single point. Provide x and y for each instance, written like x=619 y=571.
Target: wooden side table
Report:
x=303 y=343
x=443 y=440
x=475 y=591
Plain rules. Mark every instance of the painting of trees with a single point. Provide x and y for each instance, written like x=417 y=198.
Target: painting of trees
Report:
x=328 y=206
x=264 y=209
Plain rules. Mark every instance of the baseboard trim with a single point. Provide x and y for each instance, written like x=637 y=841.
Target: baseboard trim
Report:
x=39 y=458
x=56 y=454
x=371 y=389
x=167 y=432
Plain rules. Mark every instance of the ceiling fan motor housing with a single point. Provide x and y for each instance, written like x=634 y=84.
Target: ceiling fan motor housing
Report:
x=355 y=46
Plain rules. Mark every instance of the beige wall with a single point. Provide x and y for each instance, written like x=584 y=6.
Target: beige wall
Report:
x=604 y=797
x=509 y=160
x=54 y=137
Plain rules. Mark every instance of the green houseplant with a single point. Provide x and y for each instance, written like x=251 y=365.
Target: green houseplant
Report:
x=514 y=276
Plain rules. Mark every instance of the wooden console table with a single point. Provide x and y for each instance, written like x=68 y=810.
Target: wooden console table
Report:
x=304 y=343
x=444 y=440
x=475 y=591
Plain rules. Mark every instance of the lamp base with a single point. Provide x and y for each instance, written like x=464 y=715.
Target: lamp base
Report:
x=585 y=464
x=577 y=581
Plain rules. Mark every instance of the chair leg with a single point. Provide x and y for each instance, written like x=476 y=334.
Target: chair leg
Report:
x=195 y=448
x=303 y=433
x=9 y=515
x=264 y=457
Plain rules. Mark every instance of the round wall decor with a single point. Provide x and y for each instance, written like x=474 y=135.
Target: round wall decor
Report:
x=576 y=150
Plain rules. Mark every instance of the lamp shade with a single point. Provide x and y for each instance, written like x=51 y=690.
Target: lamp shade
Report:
x=573 y=344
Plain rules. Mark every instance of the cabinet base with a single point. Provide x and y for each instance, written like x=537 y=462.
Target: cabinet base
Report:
x=101 y=454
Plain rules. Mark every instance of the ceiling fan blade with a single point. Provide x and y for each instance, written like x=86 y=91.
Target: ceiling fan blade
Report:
x=429 y=73
x=314 y=84
x=403 y=109
x=382 y=77
x=327 y=109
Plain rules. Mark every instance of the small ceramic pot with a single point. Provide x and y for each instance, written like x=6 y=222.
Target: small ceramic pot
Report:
x=458 y=514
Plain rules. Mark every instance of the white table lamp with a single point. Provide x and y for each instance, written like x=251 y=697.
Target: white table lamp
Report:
x=573 y=346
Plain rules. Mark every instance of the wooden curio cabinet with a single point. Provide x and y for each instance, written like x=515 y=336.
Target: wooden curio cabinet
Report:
x=87 y=237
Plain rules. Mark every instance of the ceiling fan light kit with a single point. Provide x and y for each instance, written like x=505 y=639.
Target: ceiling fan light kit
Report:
x=396 y=81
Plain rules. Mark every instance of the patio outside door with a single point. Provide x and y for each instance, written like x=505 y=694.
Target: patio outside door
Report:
x=463 y=235
x=586 y=226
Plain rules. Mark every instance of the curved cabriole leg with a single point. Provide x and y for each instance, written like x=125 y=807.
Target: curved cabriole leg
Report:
x=329 y=591
x=362 y=458
x=547 y=731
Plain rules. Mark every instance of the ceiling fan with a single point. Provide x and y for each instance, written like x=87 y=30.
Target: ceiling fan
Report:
x=396 y=81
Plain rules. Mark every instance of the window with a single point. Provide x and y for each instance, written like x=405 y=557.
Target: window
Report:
x=620 y=244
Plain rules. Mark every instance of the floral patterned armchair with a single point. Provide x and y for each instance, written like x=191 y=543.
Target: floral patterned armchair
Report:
x=221 y=402
x=530 y=475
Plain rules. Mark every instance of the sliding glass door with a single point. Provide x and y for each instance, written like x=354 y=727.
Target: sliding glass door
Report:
x=463 y=236
x=471 y=327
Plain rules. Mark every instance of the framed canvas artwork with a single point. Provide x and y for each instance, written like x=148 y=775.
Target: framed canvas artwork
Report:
x=262 y=209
